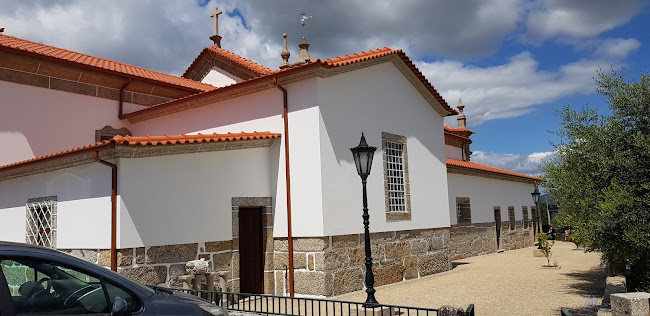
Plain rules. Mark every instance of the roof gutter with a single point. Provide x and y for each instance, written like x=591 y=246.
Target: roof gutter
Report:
x=287 y=181
x=113 y=208
x=120 y=114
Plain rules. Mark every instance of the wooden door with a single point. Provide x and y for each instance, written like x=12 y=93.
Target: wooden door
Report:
x=251 y=268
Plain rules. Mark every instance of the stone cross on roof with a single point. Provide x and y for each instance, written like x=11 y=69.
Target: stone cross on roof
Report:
x=216 y=38
x=215 y=15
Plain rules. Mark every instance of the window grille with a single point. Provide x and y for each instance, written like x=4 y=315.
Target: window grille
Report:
x=41 y=222
x=395 y=177
x=463 y=210
x=511 y=217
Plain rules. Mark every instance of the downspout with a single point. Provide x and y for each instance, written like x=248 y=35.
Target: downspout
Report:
x=288 y=182
x=113 y=208
x=120 y=114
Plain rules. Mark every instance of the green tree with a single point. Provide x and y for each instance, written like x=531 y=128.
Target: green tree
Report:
x=600 y=176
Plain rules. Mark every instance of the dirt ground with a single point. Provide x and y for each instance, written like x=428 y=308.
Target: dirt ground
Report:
x=508 y=283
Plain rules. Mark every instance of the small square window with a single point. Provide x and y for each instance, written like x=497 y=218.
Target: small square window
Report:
x=463 y=210
x=41 y=222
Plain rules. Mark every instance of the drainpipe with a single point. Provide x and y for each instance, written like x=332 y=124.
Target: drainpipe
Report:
x=113 y=208
x=120 y=115
x=288 y=181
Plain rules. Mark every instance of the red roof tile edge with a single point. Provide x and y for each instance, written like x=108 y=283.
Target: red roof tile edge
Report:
x=239 y=60
x=24 y=46
x=455 y=129
x=151 y=141
x=478 y=166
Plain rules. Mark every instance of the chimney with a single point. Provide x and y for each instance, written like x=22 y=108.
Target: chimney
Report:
x=303 y=57
x=462 y=120
x=285 y=54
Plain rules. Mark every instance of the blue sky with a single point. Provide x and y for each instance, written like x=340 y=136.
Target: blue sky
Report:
x=511 y=61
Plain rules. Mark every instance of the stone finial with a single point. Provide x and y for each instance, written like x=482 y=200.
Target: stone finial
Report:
x=285 y=53
x=216 y=38
x=462 y=120
x=303 y=57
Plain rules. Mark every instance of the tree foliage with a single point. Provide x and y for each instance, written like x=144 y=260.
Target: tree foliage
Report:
x=600 y=176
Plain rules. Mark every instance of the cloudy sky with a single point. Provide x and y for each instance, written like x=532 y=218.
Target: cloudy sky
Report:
x=511 y=61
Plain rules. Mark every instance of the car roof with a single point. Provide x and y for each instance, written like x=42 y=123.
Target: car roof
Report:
x=9 y=245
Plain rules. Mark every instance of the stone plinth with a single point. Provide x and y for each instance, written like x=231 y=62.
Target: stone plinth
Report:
x=377 y=311
x=630 y=304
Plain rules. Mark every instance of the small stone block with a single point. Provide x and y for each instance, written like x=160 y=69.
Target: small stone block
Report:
x=377 y=311
x=632 y=304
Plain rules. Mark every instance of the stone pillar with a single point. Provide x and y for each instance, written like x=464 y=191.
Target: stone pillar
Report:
x=187 y=281
x=630 y=304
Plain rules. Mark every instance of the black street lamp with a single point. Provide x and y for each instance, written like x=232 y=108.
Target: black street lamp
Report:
x=363 y=155
x=535 y=195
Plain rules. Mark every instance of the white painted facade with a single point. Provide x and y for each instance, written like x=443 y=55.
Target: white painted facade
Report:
x=220 y=78
x=486 y=193
x=191 y=193
x=158 y=202
x=38 y=121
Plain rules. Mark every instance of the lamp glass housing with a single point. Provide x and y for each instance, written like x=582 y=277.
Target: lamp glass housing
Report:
x=363 y=155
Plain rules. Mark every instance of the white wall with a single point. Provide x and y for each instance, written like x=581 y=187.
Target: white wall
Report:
x=374 y=100
x=486 y=193
x=220 y=78
x=262 y=111
x=83 y=205
x=187 y=198
x=38 y=121
x=453 y=152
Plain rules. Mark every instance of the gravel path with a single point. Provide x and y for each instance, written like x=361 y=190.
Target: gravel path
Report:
x=508 y=283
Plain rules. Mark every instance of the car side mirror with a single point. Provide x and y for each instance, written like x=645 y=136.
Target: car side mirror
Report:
x=120 y=307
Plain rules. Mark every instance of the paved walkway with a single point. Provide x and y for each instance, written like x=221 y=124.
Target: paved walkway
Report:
x=508 y=283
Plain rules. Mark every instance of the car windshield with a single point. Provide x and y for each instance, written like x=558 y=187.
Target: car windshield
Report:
x=38 y=286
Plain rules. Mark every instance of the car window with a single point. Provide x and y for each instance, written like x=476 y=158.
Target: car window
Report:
x=37 y=287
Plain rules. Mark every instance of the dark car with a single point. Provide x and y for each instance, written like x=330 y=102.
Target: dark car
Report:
x=37 y=280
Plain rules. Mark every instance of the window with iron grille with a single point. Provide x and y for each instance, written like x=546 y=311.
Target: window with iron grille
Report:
x=511 y=217
x=396 y=181
x=41 y=221
x=463 y=210
x=524 y=211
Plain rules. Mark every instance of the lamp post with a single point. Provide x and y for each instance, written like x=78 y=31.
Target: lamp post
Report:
x=363 y=155
x=535 y=195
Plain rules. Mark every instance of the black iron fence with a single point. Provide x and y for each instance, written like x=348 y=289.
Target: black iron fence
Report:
x=303 y=306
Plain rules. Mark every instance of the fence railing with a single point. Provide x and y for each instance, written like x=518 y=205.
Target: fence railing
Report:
x=303 y=306
x=565 y=312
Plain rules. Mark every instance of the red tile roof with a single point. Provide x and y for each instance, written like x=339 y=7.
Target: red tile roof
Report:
x=478 y=166
x=151 y=141
x=167 y=107
x=238 y=61
x=25 y=47
x=454 y=129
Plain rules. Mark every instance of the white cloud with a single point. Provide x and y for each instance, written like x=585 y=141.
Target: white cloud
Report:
x=529 y=164
x=617 y=47
x=578 y=18
x=510 y=89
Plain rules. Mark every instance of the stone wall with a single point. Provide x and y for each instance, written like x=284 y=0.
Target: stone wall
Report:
x=334 y=265
x=474 y=239
x=158 y=265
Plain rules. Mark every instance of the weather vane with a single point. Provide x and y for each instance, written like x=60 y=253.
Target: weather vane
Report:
x=304 y=18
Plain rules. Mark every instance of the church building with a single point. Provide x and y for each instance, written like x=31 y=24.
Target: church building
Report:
x=142 y=171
